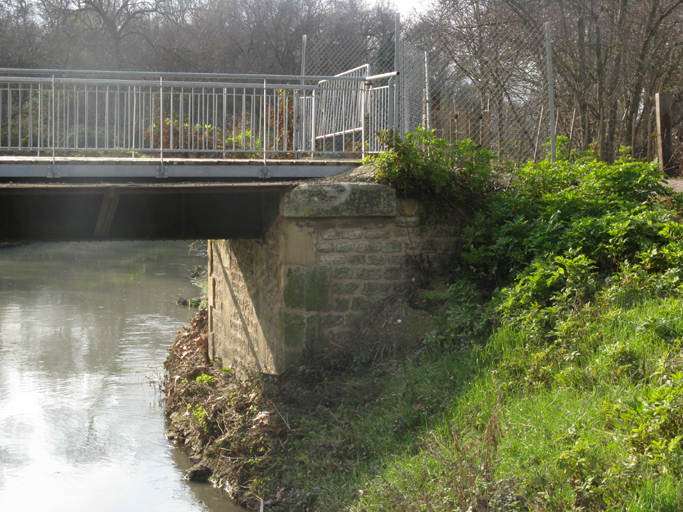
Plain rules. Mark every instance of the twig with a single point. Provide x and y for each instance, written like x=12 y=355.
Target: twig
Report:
x=281 y=416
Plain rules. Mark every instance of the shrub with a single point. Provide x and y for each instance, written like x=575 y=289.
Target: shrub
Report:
x=609 y=213
x=426 y=167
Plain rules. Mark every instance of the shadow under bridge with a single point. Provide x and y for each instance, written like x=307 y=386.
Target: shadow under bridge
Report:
x=171 y=211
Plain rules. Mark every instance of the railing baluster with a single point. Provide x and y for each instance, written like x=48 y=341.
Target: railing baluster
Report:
x=9 y=117
x=53 y=120
x=225 y=106
x=171 y=120
x=20 y=116
x=161 y=120
x=40 y=117
x=85 y=120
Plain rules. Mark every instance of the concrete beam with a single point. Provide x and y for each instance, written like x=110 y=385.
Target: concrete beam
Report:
x=341 y=200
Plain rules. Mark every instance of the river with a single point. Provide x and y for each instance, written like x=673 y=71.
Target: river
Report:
x=84 y=331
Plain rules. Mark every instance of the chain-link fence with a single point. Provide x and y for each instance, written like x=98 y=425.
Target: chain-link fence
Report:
x=486 y=82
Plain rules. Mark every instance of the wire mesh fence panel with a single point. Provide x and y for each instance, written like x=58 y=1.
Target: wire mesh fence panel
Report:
x=482 y=81
x=333 y=54
x=329 y=54
x=412 y=90
x=488 y=83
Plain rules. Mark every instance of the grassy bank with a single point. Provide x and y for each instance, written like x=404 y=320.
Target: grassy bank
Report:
x=552 y=381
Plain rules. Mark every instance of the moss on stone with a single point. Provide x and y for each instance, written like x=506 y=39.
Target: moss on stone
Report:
x=294 y=292
x=317 y=288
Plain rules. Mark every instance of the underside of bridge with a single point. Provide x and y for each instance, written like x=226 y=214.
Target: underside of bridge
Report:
x=39 y=212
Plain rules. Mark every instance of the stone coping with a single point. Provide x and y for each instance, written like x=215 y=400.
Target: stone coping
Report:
x=341 y=200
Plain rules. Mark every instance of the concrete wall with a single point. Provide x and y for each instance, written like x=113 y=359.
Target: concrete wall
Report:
x=329 y=251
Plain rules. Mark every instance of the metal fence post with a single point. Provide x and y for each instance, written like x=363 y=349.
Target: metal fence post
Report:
x=363 y=116
x=392 y=112
x=303 y=57
x=397 y=68
x=427 y=105
x=551 y=94
x=313 y=128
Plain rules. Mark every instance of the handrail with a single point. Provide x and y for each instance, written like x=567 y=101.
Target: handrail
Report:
x=165 y=74
x=382 y=76
x=153 y=83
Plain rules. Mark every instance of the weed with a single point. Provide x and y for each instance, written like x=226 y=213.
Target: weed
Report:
x=207 y=380
x=553 y=381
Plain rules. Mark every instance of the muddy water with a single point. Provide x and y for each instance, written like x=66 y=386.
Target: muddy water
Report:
x=84 y=330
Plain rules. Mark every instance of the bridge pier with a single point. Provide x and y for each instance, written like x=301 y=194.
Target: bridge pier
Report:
x=329 y=251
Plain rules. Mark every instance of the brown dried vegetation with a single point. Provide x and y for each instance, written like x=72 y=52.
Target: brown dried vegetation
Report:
x=245 y=427
x=221 y=418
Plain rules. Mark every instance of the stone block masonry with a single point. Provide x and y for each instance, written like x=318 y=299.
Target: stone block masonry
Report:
x=330 y=250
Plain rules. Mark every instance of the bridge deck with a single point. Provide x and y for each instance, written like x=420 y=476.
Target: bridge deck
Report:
x=190 y=168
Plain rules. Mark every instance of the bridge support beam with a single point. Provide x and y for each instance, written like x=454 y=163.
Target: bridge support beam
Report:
x=328 y=252
x=96 y=212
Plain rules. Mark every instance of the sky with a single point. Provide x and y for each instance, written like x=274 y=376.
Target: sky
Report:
x=406 y=7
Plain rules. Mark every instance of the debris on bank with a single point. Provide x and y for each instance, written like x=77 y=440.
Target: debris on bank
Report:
x=220 y=417
x=239 y=428
x=199 y=278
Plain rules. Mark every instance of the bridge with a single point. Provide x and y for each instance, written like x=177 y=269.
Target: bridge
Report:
x=101 y=155
x=92 y=155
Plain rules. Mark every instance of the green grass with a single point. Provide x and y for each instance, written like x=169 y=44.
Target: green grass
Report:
x=446 y=432
x=556 y=442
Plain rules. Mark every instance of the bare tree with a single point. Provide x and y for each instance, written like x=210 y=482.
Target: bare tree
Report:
x=610 y=56
x=106 y=33
x=20 y=34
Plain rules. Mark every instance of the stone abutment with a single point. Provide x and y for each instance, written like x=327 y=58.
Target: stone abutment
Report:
x=329 y=251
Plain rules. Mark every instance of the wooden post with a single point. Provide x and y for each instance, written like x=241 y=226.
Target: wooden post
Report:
x=649 y=136
x=538 y=134
x=663 y=102
x=571 y=136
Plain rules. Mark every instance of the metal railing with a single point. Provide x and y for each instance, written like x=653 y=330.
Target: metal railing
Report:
x=89 y=113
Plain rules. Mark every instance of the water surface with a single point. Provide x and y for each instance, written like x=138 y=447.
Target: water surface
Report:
x=84 y=331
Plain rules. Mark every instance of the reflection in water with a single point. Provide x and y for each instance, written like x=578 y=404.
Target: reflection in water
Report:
x=84 y=329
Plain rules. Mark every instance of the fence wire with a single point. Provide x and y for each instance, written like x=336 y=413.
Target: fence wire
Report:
x=486 y=82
